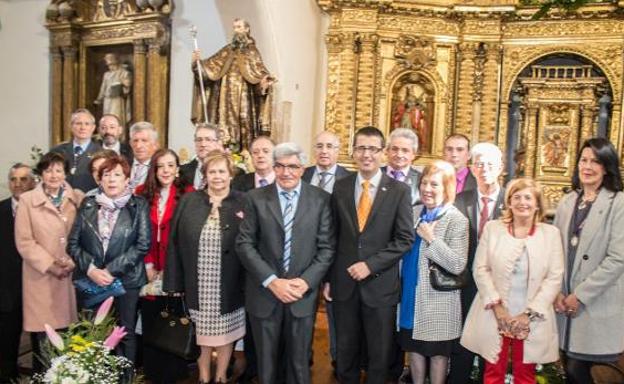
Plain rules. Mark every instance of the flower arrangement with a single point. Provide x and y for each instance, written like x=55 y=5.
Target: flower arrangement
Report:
x=82 y=355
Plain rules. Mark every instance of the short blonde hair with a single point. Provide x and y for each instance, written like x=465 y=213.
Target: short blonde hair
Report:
x=517 y=185
x=449 y=180
x=216 y=156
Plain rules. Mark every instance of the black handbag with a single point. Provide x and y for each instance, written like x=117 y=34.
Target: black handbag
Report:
x=173 y=333
x=443 y=280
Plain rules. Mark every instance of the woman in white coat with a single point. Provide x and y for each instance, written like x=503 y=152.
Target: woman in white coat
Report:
x=518 y=269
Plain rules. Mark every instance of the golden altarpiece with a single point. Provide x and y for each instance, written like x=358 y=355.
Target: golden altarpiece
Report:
x=483 y=68
x=85 y=34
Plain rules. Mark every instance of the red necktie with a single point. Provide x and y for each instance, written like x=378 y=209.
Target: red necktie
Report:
x=485 y=215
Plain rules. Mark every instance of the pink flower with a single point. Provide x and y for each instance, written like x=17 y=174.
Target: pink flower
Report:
x=103 y=311
x=54 y=338
x=240 y=215
x=115 y=337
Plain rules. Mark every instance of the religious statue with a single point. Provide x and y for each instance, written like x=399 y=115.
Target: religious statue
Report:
x=555 y=150
x=411 y=114
x=115 y=90
x=237 y=90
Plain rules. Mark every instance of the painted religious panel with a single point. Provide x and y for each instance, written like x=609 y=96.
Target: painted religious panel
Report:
x=413 y=106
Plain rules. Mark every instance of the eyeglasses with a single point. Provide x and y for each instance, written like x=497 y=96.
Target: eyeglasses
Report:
x=481 y=165
x=362 y=148
x=205 y=139
x=289 y=167
x=330 y=146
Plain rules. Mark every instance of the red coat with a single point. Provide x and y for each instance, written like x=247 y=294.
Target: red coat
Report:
x=158 y=250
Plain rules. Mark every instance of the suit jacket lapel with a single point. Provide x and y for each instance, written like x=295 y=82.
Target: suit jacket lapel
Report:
x=595 y=220
x=500 y=204
x=349 y=195
x=472 y=208
x=274 y=204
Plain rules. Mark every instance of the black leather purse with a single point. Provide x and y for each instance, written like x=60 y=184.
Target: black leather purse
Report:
x=173 y=333
x=443 y=280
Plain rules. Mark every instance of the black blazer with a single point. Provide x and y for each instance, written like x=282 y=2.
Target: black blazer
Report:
x=412 y=179
x=181 y=265
x=245 y=182
x=260 y=246
x=125 y=150
x=468 y=204
x=81 y=178
x=309 y=173
x=187 y=172
x=127 y=247
x=10 y=261
x=471 y=182
x=388 y=234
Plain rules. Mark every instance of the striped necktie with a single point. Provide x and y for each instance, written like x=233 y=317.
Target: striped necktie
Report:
x=289 y=218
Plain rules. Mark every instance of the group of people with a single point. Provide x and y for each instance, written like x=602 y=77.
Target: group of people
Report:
x=432 y=267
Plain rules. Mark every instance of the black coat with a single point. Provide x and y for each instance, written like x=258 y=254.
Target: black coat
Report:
x=186 y=227
x=187 y=171
x=127 y=247
x=81 y=178
x=10 y=261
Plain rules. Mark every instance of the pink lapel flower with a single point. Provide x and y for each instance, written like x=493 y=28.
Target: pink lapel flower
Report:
x=102 y=312
x=240 y=215
x=55 y=338
x=115 y=337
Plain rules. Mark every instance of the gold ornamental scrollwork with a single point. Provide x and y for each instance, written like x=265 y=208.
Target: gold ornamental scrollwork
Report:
x=415 y=53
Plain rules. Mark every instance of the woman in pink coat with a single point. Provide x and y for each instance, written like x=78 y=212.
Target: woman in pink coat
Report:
x=42 y=223
x=518 y=269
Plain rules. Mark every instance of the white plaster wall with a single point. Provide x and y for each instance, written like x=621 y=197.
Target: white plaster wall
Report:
x=288 y=33
x=24 y=82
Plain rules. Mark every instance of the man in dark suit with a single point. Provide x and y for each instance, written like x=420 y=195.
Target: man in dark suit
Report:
x=374 y=221
x=326 y=171
x=457 y=152
x=78 y=152
x=479 y=205
x=401 y=151
x=206 y=140
x=20 y=180
x=261 y=149
x=286 y=244
x=111 y=131
x=144 y=142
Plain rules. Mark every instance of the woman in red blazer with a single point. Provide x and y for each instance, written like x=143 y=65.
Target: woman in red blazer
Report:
x=162 y=189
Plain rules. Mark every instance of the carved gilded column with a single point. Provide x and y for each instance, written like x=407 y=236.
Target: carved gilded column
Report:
x=366 y=80
x=57 y=95
x=70 y=89
x=140 y=71
x=530 y=131
x=154 y=90
x=587 y=121
x=333 y=114
x=465 y=63
x=479 y=59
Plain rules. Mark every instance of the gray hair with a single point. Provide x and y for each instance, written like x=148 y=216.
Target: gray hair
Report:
x=486 y=149
x=210 y=127
x=144 y=126
x=79 y=111
x=17 y=166
x=289 y=149
x=404 y=133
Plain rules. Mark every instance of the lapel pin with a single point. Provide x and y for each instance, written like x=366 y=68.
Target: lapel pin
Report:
x=384 y=189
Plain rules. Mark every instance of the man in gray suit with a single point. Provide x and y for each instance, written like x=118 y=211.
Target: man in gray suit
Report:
x=401 y=151
x=79 y=151
x=286 y=244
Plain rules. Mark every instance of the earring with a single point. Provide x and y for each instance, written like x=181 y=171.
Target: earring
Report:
x=177 y=173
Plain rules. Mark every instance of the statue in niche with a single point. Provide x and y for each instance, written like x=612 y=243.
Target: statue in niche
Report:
x=237 y=88
x=115 y=91
x=411 y=112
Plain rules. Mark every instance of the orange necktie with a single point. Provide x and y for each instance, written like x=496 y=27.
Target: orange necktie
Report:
x=364 y=205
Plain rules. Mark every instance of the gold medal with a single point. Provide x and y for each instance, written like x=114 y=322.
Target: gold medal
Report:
x=574 y=241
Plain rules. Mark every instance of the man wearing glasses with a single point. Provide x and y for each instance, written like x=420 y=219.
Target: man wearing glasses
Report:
x=286 y=244
x=373 y=219
x=479 y=205
x=206 y=140
x=326 y=170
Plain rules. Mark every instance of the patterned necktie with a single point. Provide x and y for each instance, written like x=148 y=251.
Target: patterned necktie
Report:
x=77 y=150
x=364 y=205
x=289 y=218
x=263 y=182
x=397 y=175
x=485 y=215
x=323 y=179
x=140 y=172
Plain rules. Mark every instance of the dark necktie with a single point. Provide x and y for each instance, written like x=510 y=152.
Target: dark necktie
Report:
x=323 y=179
x=397 y=175
x=484 y=216
x=263 y=182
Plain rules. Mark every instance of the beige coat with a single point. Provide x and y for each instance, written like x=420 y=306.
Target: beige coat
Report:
x=494 y=262
x=41 y=238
